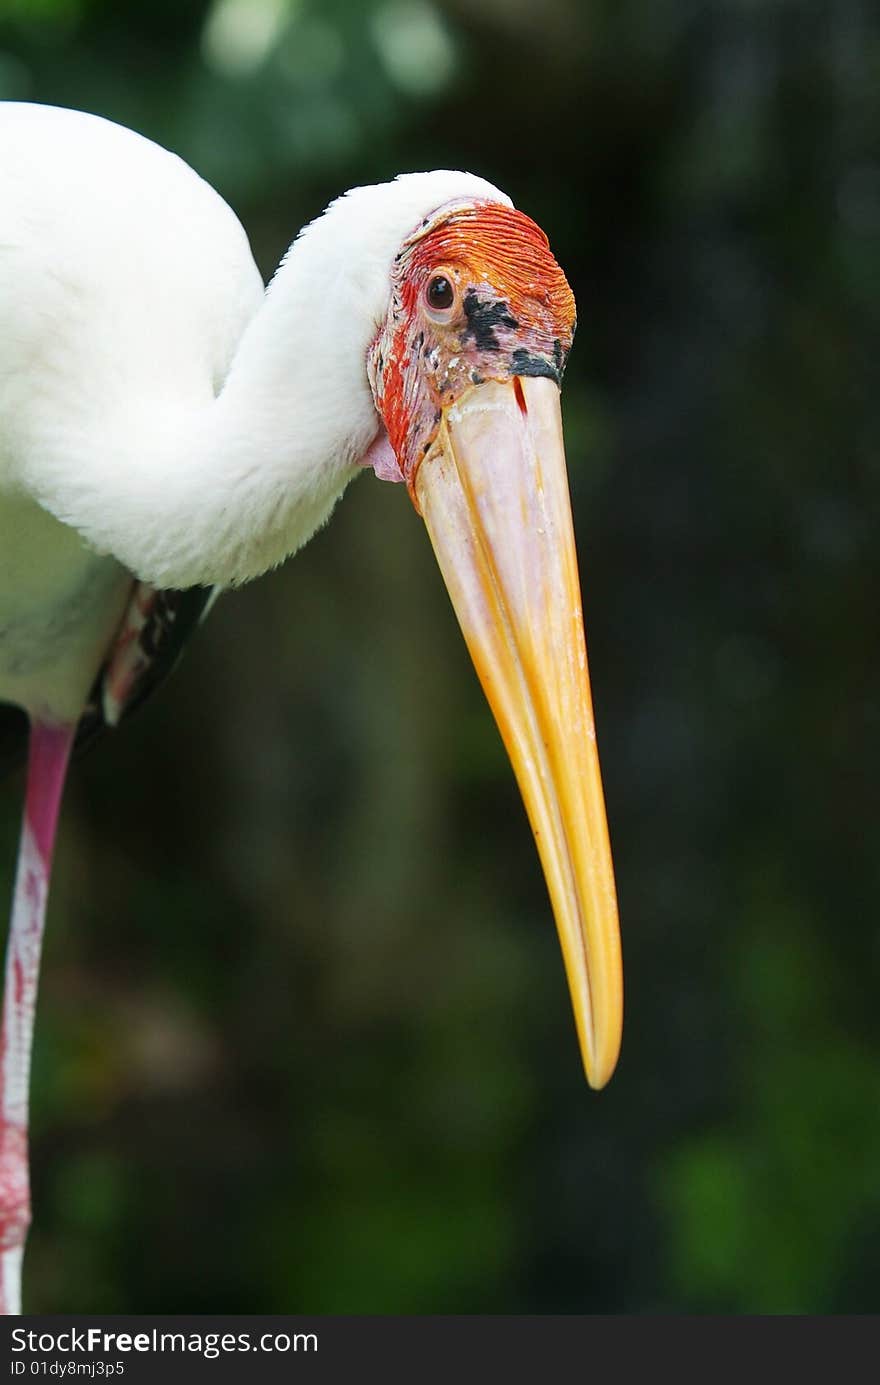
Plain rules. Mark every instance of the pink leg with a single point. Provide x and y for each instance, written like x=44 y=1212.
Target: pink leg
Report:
x=47 y=764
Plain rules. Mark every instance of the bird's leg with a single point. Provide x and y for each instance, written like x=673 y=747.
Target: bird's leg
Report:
x=47 y=764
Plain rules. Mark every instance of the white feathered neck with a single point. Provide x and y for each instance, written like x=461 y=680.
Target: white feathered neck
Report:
x=297 y=397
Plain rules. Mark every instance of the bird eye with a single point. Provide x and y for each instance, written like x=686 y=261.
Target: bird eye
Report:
x=440 y=294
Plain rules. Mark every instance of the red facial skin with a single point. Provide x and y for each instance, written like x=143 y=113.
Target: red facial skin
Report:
x=513 y=314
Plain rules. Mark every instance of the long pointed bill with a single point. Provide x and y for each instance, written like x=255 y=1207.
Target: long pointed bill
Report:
x=493 y=491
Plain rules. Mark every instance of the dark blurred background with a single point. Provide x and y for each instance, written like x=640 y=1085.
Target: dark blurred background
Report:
x=304 y=1040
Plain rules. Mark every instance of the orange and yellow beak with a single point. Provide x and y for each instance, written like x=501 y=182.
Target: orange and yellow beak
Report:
x=493 y=492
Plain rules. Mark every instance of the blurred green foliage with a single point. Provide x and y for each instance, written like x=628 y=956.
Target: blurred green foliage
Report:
x=303 y=1040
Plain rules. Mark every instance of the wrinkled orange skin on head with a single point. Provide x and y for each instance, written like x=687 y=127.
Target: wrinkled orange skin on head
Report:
x=515 y=315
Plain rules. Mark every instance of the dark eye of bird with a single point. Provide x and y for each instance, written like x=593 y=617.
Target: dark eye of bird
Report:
x=441 y=294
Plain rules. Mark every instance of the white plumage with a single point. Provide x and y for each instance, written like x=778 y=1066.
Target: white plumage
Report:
x=152 y=397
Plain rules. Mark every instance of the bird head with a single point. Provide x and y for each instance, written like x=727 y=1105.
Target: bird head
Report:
x=465 y=372
x=476 y=295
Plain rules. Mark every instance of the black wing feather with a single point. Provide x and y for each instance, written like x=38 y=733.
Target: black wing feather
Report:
x=172 y=618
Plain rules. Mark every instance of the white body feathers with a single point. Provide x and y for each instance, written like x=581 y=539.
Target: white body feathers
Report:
x=153 y=399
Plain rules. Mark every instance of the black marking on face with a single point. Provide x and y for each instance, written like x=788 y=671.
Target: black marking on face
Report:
x=560 y=357
x=521 y=363
x=483 y=316
x=476 y=378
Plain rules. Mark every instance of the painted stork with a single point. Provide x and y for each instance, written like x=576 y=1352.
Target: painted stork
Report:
x=169 y=427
